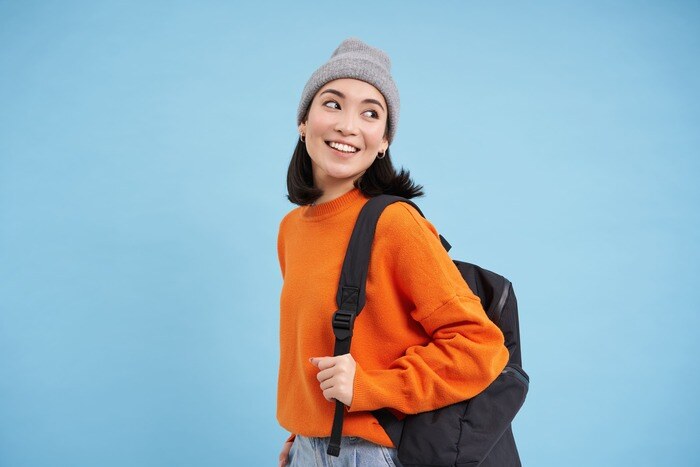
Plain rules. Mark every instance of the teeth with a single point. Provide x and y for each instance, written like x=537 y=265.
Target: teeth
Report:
x=342 y=147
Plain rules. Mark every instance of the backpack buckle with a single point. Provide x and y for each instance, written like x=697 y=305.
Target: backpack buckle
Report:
x=343 y=322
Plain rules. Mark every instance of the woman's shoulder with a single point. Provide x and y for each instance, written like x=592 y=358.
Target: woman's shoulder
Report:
x=401 y=219
x=290 y=215
x=284 y=223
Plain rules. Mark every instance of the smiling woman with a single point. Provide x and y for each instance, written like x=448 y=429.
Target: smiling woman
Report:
x=347 y=118
x=344 y=133
x=402 y=358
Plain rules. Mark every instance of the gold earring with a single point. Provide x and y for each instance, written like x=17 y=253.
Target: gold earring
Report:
x=382 y=155
x=301 y=138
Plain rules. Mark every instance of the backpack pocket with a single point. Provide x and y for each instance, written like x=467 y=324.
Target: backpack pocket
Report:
x=430 y=439
x=489 y=414
x=463 y=434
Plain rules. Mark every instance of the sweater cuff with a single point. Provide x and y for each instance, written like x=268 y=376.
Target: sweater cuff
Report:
x=360 y=391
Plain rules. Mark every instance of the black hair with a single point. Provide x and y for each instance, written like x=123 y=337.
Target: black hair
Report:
x=380 y=178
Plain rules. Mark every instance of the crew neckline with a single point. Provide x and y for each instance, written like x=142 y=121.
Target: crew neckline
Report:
x=332 y=207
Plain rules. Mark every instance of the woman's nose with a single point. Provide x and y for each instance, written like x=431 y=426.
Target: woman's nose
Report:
x=346 y=124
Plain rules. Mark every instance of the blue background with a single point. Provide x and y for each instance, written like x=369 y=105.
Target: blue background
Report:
x=143 y=156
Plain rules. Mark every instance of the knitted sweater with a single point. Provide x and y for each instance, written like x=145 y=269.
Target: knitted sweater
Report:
x=422 y=340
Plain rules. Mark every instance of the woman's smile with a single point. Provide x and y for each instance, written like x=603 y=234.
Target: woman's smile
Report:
x=343 y=150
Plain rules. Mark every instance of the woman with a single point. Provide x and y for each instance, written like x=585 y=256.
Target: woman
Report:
x=420 y=317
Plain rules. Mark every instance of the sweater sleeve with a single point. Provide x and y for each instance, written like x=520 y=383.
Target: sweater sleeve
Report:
x=466 y=351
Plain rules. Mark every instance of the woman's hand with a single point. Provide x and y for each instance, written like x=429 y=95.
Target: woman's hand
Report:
x=336 y=377
x=284 y=455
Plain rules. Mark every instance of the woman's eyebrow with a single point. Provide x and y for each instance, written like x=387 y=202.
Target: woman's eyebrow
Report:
x=341 y=95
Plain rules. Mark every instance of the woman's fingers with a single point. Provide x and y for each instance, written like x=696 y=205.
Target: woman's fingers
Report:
x=323 y=375
x=323 y=362
x=327 y=384
x=284 y=455
x=329 y=394
x=336 y=376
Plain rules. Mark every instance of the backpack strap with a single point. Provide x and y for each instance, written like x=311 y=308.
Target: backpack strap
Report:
x=351 y=300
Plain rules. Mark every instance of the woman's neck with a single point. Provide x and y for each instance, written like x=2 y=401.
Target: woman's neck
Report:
x=331 y=195
x=335 y=191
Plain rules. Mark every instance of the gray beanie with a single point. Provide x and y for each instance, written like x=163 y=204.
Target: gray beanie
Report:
x=355 y=59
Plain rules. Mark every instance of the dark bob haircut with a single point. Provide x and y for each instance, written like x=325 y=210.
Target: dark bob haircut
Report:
x=379 y=178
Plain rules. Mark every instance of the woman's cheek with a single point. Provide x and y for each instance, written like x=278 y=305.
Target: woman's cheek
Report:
x=375 y=138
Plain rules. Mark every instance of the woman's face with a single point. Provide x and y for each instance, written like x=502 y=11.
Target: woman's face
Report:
x=347 y=112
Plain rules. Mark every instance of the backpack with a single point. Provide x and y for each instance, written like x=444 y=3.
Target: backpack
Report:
x=471 y=433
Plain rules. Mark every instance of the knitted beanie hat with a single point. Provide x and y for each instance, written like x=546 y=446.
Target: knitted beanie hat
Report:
x=355 y=59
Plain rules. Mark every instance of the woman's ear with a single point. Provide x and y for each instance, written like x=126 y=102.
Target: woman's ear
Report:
x=302 y=128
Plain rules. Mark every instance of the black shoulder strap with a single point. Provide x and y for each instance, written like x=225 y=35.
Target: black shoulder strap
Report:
x=351 y=290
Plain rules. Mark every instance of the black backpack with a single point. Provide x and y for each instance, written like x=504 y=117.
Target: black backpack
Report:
x=474 y=432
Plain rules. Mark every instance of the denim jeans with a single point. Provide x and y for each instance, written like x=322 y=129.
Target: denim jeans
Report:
x=354 y=452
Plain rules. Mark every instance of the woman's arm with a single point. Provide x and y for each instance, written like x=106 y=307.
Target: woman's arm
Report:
x=466 y=352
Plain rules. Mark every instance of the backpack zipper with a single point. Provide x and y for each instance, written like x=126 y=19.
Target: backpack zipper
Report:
x=502 y=300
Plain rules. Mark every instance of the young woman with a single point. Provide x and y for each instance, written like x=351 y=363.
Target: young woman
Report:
x=423 y=340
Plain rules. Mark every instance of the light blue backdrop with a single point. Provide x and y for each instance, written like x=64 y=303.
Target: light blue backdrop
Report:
x=143 y=155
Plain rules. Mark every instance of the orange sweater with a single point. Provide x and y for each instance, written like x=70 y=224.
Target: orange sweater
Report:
x=421 y=342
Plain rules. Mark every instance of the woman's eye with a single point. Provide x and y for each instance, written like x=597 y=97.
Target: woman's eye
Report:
x=335 y=105
x=330 y=102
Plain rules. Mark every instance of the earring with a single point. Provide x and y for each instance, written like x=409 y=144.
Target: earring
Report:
x=382 y=155
x=301 y=137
